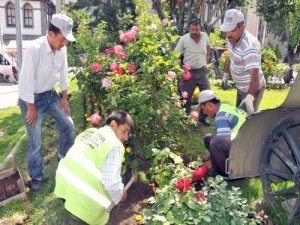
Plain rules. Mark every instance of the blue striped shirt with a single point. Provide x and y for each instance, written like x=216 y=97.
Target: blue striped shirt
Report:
x=225 y=122
x=243 y=57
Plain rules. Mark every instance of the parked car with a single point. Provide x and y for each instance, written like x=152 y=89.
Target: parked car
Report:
x=8 y=68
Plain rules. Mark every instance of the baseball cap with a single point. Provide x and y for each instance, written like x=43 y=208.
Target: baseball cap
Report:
x=65 y=24
x=206 y=95
x=232 y=18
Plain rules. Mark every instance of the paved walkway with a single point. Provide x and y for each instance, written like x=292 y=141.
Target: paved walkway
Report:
x=9 y=94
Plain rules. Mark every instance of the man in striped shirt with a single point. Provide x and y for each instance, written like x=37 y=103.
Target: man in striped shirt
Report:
x=244 y=62
x=228 y=121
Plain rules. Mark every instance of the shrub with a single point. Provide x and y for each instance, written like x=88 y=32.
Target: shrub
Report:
x=180 y=200
x=140 y=76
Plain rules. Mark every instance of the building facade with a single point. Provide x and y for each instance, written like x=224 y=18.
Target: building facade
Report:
x=35 y=17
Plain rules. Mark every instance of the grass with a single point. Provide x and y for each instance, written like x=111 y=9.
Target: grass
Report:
x=44 y=208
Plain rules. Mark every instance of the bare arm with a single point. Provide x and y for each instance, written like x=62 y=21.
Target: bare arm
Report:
x=227 y=68
x=64 y=103
x=207 y=53
x=254 y=83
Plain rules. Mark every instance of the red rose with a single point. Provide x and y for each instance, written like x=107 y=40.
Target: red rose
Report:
x=199 y=173
x=262 y=214
x=201 y=196
x=184 y=184
x=180 y=185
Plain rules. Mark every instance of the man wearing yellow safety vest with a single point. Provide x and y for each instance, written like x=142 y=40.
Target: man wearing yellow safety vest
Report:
x=89 y=176
x=228 y=120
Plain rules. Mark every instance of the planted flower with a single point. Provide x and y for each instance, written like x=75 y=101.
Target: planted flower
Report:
x=199 y=173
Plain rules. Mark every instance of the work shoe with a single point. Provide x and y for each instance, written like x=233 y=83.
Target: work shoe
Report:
x=204 y=121
x=36 y=185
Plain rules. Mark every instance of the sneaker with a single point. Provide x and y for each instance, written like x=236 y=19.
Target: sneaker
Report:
x=204 y=121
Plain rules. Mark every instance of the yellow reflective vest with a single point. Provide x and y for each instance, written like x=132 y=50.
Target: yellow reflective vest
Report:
x=78 y=176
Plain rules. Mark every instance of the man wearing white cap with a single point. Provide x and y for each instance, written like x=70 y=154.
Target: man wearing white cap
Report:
x=228 y=120
x=244 y=62
x=45 y=63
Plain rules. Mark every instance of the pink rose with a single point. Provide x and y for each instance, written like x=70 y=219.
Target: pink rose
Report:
x=125 y=38
x=95 y=118
x=109 y=51
x=96 y=67
x=105 y=82
x=114 y=66
x=119 y=71
x=171 y=75
x=122 y=55
x=164 y=22
x=118 y=49
x=131 y=68
x=134 y=28
x=184 y=94
x=187 y=76
x=186 y=67
x=194 y=115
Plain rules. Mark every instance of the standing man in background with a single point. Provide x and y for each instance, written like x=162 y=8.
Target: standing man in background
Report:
x=195 y=46
x=45 y=63
x=244 y=62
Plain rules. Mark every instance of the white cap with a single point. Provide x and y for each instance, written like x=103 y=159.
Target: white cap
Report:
x=206 y=95
x=65 y=24
x=232 y=18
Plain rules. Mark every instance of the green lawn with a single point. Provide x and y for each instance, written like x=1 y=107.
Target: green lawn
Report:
x=44 y=208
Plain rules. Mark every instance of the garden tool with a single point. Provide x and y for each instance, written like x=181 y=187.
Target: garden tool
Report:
x=133 y=179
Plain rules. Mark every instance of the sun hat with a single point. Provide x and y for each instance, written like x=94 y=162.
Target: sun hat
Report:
x=232 y=18
x=206 y=95
x=65 y=24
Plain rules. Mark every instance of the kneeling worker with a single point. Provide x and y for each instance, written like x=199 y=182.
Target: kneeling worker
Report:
x=89 y=177
x=228 y=120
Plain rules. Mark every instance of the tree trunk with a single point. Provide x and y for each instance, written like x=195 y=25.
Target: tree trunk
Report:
x=180 y=24
x=157 y=7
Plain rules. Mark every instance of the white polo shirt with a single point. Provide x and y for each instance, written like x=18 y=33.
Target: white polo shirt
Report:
x=244 y=56
x=41 y=69
x=194 y=53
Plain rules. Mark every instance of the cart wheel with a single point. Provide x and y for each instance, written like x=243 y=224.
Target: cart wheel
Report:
x=280 y=172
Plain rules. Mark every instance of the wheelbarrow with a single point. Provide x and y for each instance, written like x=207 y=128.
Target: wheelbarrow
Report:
x=11 y=184
x=268 y=145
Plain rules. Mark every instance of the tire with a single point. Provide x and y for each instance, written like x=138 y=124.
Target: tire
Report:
x=280 y=169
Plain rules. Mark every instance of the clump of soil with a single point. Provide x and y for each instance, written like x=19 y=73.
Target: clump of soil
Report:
x=124 y=212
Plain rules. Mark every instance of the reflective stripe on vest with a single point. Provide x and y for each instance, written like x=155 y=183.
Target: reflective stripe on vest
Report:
x=85 y=163
x=83 y=187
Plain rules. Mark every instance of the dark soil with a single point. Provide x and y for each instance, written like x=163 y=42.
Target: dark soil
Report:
x=124 y=212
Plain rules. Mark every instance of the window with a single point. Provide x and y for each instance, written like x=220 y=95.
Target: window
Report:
x=28 y=15
x=10 y=15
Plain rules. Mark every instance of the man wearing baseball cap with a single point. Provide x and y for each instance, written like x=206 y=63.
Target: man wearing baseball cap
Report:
x=244 y=62
x=228 y=120
x=45 y=63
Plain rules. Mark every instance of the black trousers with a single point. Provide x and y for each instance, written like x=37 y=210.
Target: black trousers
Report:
x=219 y=149
x=199 y=79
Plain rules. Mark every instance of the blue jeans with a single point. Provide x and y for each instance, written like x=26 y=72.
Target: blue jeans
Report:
x=46 y=102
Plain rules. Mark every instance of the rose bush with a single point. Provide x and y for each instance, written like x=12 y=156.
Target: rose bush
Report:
x=139 y=74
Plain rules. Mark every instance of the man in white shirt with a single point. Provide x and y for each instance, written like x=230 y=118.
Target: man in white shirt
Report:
x=195 y=46
x=244 y=62
x=45 y=63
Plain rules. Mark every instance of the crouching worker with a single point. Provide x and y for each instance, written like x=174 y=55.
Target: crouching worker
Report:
x=89 y=177
x=228 y=120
